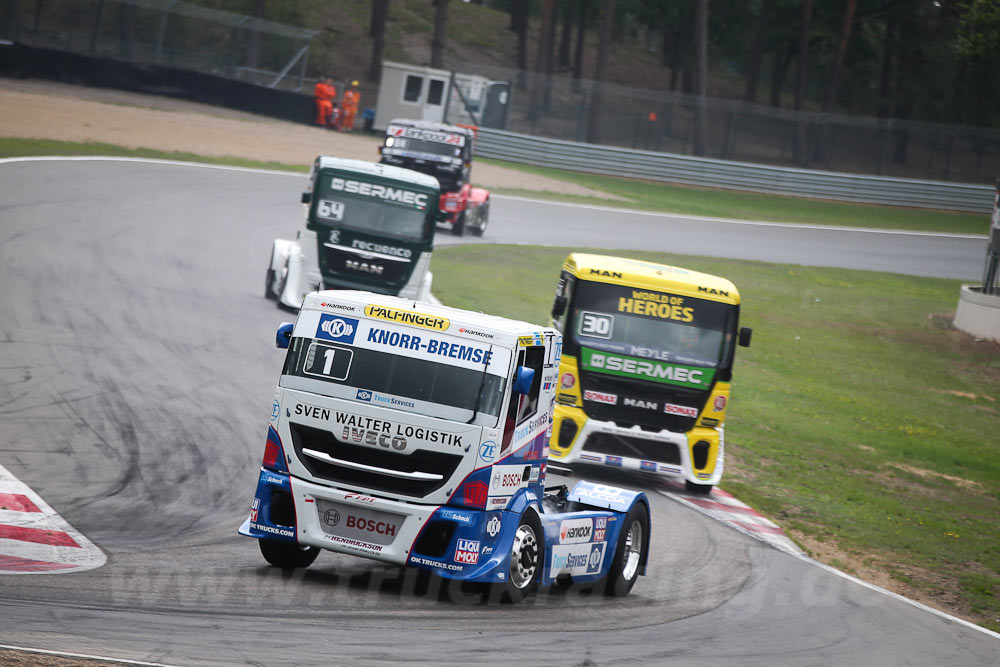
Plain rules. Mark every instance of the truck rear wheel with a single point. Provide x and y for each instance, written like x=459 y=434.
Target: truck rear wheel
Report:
x=458 y=229
x=483 y=219
x=526 y=555
x=269 y=280
x=628 y=556
x=287 y=555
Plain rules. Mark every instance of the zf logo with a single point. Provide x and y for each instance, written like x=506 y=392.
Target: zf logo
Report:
x=334 y=327
x=488 y=451
x=364 y=395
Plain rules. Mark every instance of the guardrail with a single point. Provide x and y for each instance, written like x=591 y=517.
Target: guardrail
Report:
x=714 y=173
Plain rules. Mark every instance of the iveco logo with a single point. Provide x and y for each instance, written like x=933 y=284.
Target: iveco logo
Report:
x=363 y=267
x=337 y=328
x=331 y=517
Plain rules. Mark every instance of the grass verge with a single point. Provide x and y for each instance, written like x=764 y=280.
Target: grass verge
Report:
x=16 y=147
x=664 y=197
x=860 y=420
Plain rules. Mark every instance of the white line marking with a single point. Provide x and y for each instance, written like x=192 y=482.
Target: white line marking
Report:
x=106 y=158
x=66 y=654
x=754 y=223
x=673 y=216
x=797 y=553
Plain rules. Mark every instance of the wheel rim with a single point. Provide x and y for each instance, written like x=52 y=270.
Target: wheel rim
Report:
x=523 y=557
x=633 y=551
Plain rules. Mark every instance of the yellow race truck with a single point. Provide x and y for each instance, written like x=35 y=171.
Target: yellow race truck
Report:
x=646 y=367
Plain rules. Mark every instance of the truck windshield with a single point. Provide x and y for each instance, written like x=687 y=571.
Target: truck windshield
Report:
x=421 y=386
x=424 y=149
x=652 y=325
x=392 y=210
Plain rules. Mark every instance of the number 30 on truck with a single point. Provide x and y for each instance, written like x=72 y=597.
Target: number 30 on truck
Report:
x=646 y=368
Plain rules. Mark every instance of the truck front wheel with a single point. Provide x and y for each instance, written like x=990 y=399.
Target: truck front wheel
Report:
x=287 y=555
x=525 y=559
x=628 y=556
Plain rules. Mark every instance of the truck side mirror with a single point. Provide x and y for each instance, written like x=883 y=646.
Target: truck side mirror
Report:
x=284 y=335
x=745 y=334
x=559 y=306
x=523 y=379
x=306 y=197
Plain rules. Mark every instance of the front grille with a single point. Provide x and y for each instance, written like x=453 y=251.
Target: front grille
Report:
x=438 y=463
x=645 y=418
x=634 y=448
x=334 y=263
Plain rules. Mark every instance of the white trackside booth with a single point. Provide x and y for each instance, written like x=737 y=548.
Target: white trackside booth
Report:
x=440 y=96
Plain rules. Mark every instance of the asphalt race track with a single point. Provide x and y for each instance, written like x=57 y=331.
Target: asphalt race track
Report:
x=136 y=369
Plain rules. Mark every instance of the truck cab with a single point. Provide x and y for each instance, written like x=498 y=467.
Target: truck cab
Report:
x=418 y=435
x=444 y=152
x=645 y=378
x=366 y=226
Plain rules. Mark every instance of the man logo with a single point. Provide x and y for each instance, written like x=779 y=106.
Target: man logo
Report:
x=331 y=517
x=488 y=451
x=334 y=327
x=364 y=395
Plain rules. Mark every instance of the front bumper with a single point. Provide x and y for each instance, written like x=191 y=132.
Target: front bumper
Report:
x=455 y=543
x=663 y=453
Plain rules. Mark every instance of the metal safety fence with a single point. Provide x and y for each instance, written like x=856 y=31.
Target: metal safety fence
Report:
x=728 y=174
x=559 y=107
x=170 y=33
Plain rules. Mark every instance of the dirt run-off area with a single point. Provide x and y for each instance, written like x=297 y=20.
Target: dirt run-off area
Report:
x=46 y=110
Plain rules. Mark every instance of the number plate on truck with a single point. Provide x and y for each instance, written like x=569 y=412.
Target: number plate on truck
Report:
x=358 y=523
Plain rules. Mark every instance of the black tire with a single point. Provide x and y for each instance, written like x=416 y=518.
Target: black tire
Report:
x=700 y=489
x=484 y=220
x=527 y=552
x=287 y=555
x=458 y=229
x=628 y=555
x=269 y=280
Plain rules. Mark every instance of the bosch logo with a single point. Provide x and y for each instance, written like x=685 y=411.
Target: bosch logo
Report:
x=331 y=517
x=337 y=328
x=371 y=525
x=506 y=480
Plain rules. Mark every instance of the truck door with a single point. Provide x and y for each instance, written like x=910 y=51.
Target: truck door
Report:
x=523 y=406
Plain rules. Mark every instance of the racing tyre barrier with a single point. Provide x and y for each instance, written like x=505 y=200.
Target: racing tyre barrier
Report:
x=287 y=555
x=526 y=555
x=628 y=556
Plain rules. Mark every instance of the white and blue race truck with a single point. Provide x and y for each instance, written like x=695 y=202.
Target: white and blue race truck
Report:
x=418 y=435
